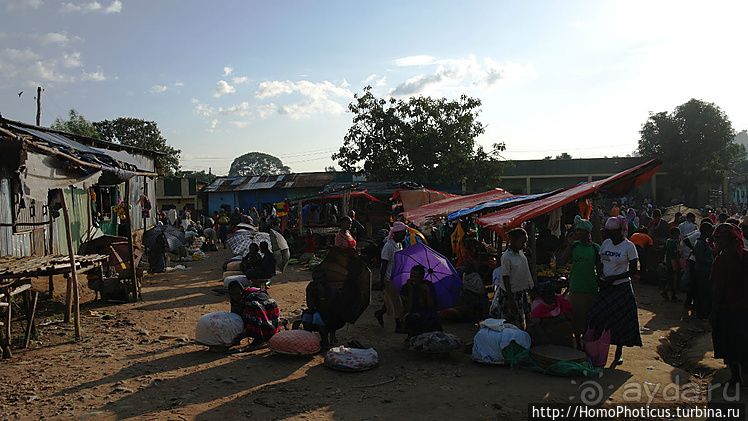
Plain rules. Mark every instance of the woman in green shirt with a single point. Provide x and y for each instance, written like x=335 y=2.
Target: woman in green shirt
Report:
x=585 y=259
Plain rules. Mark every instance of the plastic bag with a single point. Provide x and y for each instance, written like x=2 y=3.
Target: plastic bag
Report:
x=219 y=328
x=597 y=349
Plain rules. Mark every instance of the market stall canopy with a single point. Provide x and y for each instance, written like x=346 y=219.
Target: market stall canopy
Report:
x=413 y=198
x=614 y=186
x=321 y=198
x=452 y=204
x=509 y=201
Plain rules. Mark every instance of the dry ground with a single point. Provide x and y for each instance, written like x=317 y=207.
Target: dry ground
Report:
x=136 y=361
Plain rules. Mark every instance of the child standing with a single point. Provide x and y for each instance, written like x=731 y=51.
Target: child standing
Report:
x=672 y=260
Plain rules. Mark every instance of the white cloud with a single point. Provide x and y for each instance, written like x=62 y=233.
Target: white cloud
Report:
x=223 y=88
x=345 y=84
x=316 y=97
x=266 y=110
x=71 y=60
x=53 y=38
x=23 y=4
x=239 y=80
x=95 y=77
x=239 y=124
x=415 y=61
x=13 y=55
x=157 y=89
x=227 y=71
x=459 y=73
x=94 y=6
x=238 y=110
x=115 y=7
x=178 y=83
x=381 y=82
x=213 y=124
x=204 y=110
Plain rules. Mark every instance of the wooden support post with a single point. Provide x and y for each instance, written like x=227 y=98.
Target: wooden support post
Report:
x=596 y=232
x=30 y=298
x=73 y=274
x=51 y=251
x=129 y=242
x=301 y=218
x=533 y=250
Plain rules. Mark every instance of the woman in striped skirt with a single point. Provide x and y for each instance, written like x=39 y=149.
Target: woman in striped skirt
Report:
x=615 y=306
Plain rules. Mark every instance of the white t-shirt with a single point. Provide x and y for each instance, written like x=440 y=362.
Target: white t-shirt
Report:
x=616 y=258
x=514 y=265
x=688 y=251
x=388 y=254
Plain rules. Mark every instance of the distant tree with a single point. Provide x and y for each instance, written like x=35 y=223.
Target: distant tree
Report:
x=423 y=139
x=197 y=175
x=331 y=168
x=142 y=134
x=76 y=124
x=257 y=163
x=696 y=143
x=563 y=156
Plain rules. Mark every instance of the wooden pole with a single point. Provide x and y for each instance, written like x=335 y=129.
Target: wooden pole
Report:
x=38 y=105
x=73 y=272
x=533 y=250
x=129 y=241
x=51 y=250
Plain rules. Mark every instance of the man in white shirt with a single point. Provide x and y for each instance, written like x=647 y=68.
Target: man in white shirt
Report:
x=392 y=303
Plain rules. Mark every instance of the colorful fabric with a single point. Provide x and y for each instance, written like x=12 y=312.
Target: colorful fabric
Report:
x=580 y=223
x=642 y=240
x=584 y=259
x=489 y=345
x=729 y=273
x=542 y=309
x=615 y=308
x=345 y=240
x=618 y=223
x=295 y=342
x=260 y=313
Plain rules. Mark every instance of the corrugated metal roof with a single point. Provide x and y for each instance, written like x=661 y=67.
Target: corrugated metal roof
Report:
x=264 y=182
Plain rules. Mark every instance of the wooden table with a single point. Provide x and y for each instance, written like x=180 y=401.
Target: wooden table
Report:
x=15 y=278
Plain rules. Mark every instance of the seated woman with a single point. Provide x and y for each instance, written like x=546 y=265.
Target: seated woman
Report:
x=419 y=303
x=321 y=315
x=550 y=318
x=259 y=313
x=157 y=255
x=258 y=266
x=472 y=302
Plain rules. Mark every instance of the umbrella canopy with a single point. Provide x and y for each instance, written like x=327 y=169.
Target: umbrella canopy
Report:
x=345 y=269
x=100 y=245
x=174 y=237
x=439 y=272
x=669 y=213
x=280 y=249
x=239 y=241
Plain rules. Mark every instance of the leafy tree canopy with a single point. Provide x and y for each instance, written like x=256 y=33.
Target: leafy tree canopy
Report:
x=695 y=142
x=142 y=134
x=257 y=163
x=423 y=139
x=76 y=124
x=197 y=175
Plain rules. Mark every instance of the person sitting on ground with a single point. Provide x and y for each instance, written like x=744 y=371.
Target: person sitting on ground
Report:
x=252 y=260
x=259 y=312
x=320 y=315
x=262 y=269
x=419 y=304
x=472 y=302
x=550 y=318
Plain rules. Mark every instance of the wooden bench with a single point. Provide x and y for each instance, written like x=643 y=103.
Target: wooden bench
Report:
x=30 y=297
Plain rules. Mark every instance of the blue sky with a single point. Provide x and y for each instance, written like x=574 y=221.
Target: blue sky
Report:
x=229 y=77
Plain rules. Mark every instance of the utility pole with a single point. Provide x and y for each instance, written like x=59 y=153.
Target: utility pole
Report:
x=38 y=105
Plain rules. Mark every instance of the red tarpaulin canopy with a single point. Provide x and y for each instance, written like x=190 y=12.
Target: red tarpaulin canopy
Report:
x=616 y=185
x=451 y=204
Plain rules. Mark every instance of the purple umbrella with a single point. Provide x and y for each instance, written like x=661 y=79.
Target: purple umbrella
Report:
x=438 y=271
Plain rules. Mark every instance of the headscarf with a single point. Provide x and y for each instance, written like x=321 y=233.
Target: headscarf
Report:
x=734 y=233
x=584 y=224
x=396 y=227
x=618 y=223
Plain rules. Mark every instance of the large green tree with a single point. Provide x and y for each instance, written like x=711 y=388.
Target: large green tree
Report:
x=423 y=139
x=695 y=142
x=257 y=163
x=76 y=124
x=142 y=134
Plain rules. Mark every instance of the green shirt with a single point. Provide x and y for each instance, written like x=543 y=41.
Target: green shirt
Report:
x=583 y=277
x=672 y=250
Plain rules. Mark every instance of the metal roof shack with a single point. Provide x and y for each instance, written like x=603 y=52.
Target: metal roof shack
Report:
x=264 y=182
